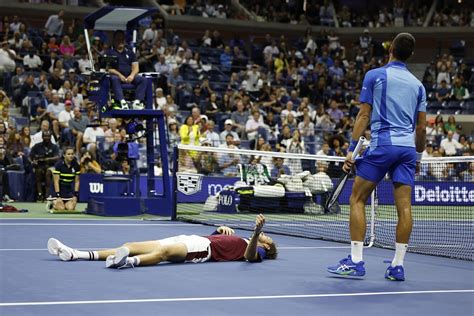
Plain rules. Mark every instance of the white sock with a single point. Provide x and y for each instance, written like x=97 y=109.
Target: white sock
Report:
x=135 y=261
x=400 y=250
x=356 y=251
x=87 y=255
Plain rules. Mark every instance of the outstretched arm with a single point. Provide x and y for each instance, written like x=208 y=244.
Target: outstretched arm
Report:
x=251 y=253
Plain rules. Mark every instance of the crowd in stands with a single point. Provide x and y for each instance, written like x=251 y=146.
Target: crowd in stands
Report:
x=325 y=13
x=296 y=96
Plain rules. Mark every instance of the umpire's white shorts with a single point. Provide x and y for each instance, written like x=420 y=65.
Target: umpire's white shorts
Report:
x=199 y=248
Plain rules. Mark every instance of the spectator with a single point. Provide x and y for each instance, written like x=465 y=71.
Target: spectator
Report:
x=56 y=81
x=78 y=126
x=90 y=136
x=334 y=112
x=324 y=151
x=25 y=136
x=89 y=165
x=174 y=81
x=66 y=47
x=279 y=168
x=54 y=25
x=43 y=156
x=189 y=132
x=443 y=74
x=289 y=110
x=450 y=125
x=15 y=146
x=449 y=145
x=228 y=125
x=63 y=118
x=160 y=99
x=150 y=35
x=253 y=125
x=53 y=111
x=306 y=127
x=84 y=63
x=226 y=59
x=32 y=61
x=240 y=118
x=443 y=92
x=53 y=45
x=206 y=162
x=15 y=24
x=211 y=135
x=295 y=146
x=38 y=137
x=459 y=92
x=212 y=107
x=228 y=161
x=4 y=100
x=173 y=134
x=220 y=13
x=7 y=59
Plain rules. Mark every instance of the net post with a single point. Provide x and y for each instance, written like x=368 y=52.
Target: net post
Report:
x=174 y=190
x=373 y=207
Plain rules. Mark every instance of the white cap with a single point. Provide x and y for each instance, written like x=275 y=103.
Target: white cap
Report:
x=171 y=121
x=228 y=121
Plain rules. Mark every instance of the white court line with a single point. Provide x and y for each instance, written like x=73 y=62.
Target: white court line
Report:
x=229 y=298
x=98 y=248
x=90 y=224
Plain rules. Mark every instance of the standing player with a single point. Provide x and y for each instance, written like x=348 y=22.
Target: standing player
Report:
x=222 y=245
x=394 y=102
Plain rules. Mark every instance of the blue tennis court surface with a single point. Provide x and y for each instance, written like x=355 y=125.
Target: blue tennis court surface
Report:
x=35 y=283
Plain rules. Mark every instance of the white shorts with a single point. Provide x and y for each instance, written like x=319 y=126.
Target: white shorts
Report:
x=199 y=248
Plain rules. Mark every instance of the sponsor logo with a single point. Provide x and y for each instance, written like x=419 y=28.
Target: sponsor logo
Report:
x=189 y=183
x=226 y=200
x=451 y=194
x=95 y=187
x=214 y=188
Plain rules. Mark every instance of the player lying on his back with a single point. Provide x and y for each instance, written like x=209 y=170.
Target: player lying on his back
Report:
x=222 y=245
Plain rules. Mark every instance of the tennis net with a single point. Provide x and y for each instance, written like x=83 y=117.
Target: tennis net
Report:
x=223 y=186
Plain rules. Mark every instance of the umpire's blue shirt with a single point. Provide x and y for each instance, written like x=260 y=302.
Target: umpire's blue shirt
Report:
x=396 y=97
x=125 y=60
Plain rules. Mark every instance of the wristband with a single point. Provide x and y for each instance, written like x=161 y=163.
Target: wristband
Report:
x=353 y=145
x=418 y=156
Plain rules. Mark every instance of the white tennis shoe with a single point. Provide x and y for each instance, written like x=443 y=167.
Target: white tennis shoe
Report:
x=57 y=248
x=119 y=260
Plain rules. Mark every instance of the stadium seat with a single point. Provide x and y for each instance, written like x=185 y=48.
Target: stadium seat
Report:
x=468 y=107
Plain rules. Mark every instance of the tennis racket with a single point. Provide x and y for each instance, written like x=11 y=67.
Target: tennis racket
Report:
x=342 y=181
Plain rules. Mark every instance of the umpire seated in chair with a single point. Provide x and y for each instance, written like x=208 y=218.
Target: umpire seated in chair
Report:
x=126 y=72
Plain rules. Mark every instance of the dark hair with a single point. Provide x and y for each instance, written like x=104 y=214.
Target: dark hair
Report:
x=271 y=253
x=403 y=46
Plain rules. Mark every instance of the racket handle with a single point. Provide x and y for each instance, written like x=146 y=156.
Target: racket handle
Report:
x=358 y=147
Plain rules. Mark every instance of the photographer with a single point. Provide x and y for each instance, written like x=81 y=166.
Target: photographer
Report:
x=66 y=181
x=89 y=164
x=43 y=156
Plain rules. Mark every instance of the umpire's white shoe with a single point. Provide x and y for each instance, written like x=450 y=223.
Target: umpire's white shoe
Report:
x=119 y=260
x=65 y=253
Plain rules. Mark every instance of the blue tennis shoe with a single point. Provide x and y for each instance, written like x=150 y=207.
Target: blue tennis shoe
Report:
x=396 y=273
x=348 y=268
